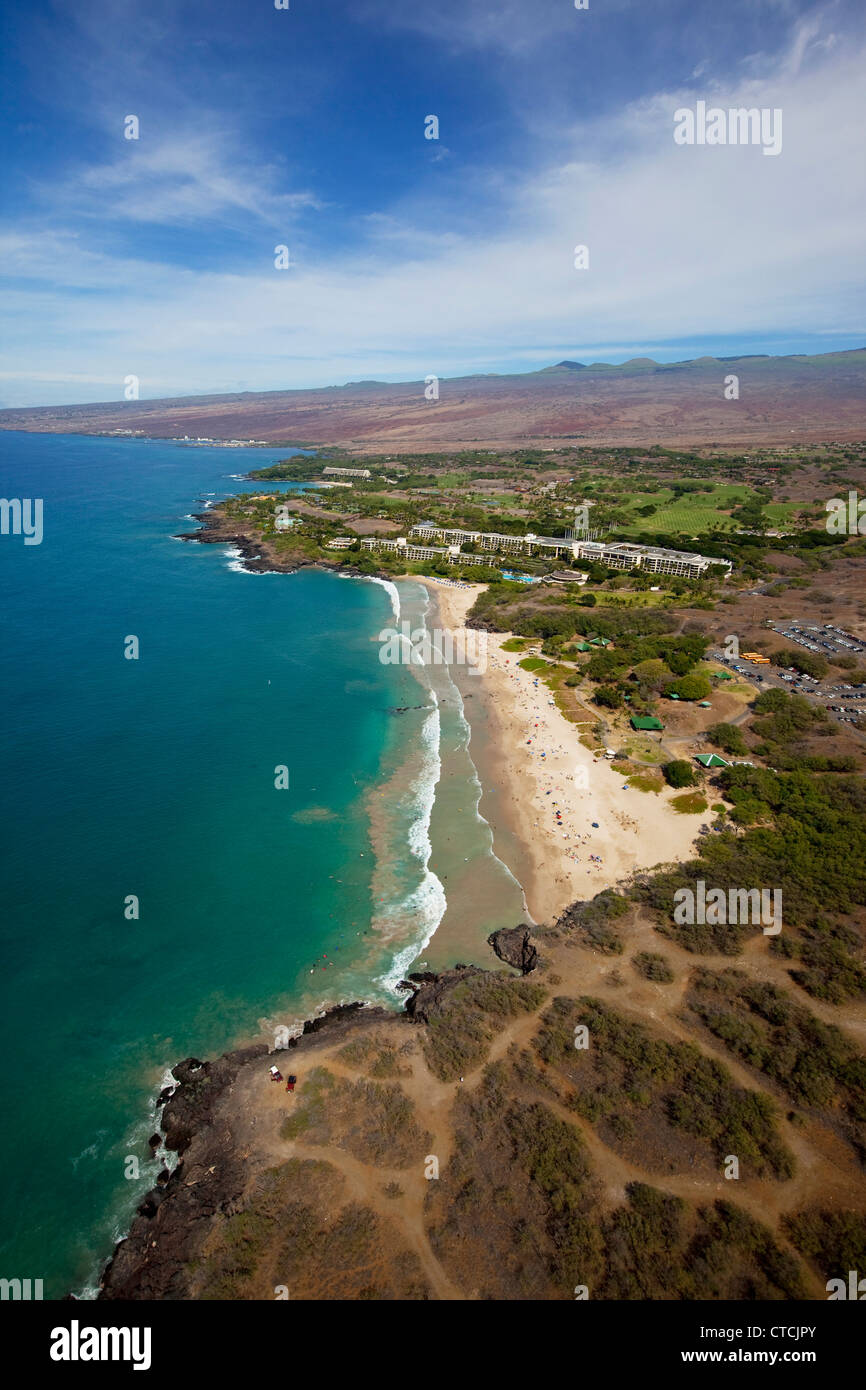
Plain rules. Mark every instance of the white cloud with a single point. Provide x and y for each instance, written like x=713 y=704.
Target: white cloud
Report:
x=685 y=242
x=189 y=177
x=510 y=26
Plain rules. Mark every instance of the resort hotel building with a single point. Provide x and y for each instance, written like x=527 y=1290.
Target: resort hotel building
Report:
x=613 y=554
x=622 y=555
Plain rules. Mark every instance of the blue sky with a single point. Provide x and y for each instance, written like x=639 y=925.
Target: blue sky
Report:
x=262 y=127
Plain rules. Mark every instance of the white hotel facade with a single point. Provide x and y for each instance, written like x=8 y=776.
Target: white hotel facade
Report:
x=622 y=555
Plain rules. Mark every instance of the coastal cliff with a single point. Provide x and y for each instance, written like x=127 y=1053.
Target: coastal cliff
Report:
x=153 y=1261
x=210 y=1135
x=260 y=554
x=465 y=1147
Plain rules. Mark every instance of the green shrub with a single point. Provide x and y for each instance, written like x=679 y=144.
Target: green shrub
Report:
x=679 y=773
x=653 y=967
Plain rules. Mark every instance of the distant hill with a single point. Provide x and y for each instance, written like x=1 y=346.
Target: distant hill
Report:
x=781 y=400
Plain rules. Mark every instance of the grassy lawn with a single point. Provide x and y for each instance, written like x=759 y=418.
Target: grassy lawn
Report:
x=689 y=804
x=644 y=751
x=643 y=781
x=783 y=513
x=630 y=598
x=700 y=511
x=534 y=663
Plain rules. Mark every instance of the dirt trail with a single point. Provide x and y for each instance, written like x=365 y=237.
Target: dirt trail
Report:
x=752 y=1196
x=365 y=1183
x=826 y=1173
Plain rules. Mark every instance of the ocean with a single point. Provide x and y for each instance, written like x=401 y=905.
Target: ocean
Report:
x=162 y=895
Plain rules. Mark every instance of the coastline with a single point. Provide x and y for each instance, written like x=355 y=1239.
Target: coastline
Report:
x=259 y=556
x=229 y=1133
x=211 y=1147
x=530 y=764
x=541 y=767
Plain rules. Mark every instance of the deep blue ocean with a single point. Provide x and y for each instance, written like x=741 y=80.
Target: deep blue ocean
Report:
x=156 y=778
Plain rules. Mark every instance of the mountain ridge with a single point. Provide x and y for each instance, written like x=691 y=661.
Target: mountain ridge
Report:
x=811 y=397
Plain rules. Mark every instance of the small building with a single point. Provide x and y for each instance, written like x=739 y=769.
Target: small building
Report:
x=645 y=721
x=340 y=543
x=711 y=760
x=566 y=577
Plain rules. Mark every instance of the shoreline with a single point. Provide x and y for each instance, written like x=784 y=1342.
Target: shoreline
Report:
x=257 y=556
x=191 y=1125
x=542 y=767
x=529 y=760
x=533 y=760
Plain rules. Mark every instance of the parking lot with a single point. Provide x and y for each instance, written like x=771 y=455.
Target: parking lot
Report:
x=842 y=699
x=826 y=641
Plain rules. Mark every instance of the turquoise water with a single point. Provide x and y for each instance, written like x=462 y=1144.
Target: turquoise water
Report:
x=155 y=778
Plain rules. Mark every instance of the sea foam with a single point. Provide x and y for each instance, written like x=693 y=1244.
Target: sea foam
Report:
x=425 y=906
x=392 y=592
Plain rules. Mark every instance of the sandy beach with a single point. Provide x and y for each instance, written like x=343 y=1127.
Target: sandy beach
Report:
x=542 y=769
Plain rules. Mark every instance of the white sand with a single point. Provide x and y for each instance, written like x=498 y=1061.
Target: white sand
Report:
x=545 y=769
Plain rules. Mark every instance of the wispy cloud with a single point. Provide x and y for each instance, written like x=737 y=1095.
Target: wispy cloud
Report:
x=187 y=177
x=510 y=27
x=684 y=242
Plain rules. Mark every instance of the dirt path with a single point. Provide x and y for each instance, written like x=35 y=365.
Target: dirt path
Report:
x=365 y=1184
x=826 y=1172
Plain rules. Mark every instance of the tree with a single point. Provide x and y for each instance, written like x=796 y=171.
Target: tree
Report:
x=680 y=662
x=587 y=600
x=609 y=696
x=729 y=738
x=679 y=773
x=771 y=701
x=807 y=662
x=602 y=665
x=653 y=673
x=695 y=687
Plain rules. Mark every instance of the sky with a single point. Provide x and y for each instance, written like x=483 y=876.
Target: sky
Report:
x=305 y=128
